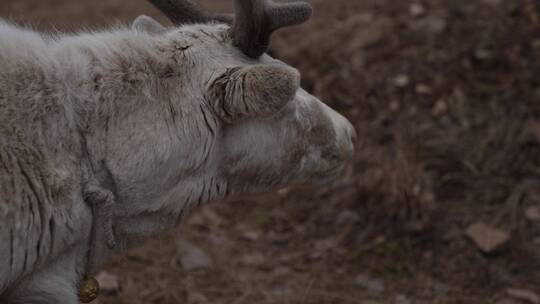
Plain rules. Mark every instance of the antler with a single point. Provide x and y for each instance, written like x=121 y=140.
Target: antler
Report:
x=181 y=11
x=253 y=25
x=256 y=20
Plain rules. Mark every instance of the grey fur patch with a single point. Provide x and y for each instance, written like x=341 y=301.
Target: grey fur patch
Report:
x=149 y=25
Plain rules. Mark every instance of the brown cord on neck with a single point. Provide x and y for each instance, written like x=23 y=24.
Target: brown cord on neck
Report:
x=101 y=202
x=101 y=237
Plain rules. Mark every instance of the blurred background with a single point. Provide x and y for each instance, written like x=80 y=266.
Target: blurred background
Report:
x=442 y=202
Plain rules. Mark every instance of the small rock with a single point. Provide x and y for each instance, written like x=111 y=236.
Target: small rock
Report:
x=533 y=129
x=347 y=217
x=366 y=17
x=533 y=214
x=401 y=299
x=281 y=292
x=536 y=241
x=197 y=298
x=322 y=247
x=431 y=24
x=368 y=33
x=439 y=108
x=524 y=295
x=394 y=105
x=482 y=54
x=212 y=217
x=487 y=238
x=423 y=89
x=205 y=218
x=492 y=2
x=374 y=286
x=196 y=219
x=217 y=238
x=507 y=301
x=325 y=244
x=282 y=271
x=108 y=282
x=367 y=37
x=440 y=289
x=283 y=192
x=192 y=257
x=416 y=9
x=251 y=235
x=401 y=81
x=254 y=259
x=280 y=239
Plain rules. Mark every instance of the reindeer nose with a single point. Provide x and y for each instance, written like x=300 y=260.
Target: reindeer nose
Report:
x=346 y=137
x=345 y=133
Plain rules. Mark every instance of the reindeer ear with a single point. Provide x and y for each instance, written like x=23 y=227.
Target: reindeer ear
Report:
x=147 y=24
x=255 y=91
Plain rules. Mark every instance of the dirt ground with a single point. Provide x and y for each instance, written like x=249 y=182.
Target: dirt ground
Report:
x=446 y=98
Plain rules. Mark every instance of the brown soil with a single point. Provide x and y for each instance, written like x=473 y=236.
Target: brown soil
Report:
x=446 y=99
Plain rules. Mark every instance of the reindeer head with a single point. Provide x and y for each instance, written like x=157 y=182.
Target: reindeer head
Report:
x=240 y=120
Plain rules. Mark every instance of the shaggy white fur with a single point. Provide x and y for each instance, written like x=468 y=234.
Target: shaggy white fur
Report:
x=148 y=123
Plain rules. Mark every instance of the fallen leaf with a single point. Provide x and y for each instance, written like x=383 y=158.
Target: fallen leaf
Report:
x=487 y=238
x=524 y=295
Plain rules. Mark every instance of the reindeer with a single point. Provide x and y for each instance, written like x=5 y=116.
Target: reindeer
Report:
x=108 y=138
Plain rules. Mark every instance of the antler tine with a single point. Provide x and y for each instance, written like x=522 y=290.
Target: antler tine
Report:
x=256 y=20
x=181 y=11
x=254 y=23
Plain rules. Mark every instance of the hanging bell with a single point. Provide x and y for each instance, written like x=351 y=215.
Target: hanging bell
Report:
x=89 y=290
